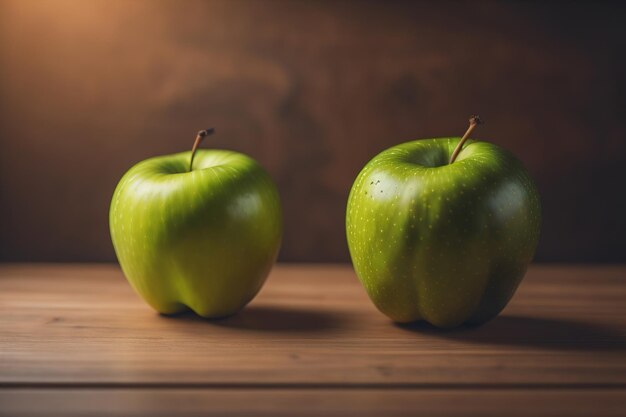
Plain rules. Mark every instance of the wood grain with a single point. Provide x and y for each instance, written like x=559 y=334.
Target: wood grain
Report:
x=311 y=336
x=309 y=325
x=314 y=402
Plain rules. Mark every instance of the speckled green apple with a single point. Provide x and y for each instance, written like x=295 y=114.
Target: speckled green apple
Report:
x=203 y=239
x=443 y=242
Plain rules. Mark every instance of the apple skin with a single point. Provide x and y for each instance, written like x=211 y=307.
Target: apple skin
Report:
x=444 y=243
x=203 y=240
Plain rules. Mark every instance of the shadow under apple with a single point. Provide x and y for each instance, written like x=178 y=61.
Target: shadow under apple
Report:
x=546 y=333
x=270 y=319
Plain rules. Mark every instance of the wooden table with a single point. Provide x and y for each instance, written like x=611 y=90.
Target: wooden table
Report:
x=75 y=340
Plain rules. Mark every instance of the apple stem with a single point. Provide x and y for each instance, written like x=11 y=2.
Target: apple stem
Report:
x=473 y=122
x=201 y=135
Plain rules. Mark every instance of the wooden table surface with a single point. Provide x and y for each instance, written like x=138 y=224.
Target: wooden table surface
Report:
x=76 y=340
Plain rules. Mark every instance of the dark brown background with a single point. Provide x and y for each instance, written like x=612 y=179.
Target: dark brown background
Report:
x=313 y=90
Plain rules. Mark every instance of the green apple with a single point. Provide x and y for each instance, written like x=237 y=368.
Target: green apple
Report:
x=441 y=238
x=203 y=239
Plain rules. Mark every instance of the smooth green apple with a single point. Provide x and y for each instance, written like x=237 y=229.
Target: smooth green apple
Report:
x=203 y=239
x=443 y=242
